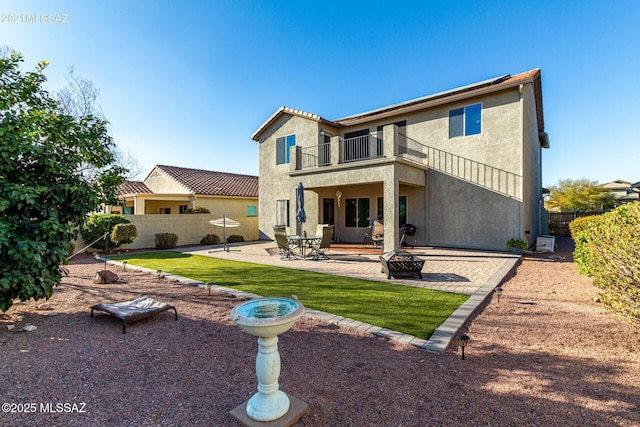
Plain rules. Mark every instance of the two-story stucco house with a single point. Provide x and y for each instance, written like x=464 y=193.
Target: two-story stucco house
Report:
x=463 y=166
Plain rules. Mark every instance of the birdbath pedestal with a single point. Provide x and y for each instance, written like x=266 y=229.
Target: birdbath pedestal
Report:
x=266 y=318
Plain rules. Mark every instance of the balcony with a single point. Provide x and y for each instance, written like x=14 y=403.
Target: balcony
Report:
x=352 y=151
x=358 y=149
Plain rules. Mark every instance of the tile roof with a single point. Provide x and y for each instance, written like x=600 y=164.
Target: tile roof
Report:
x=199 y=181
x=495 y=84
x=132 y=187
x=486 y=86
x=293 y=112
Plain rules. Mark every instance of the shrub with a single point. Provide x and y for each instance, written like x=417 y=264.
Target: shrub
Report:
x=124 y=233
x=234 y=238
x=97 y=225
x=517 y=243
x=166 y=240
x=210 y=239
x=581 y=224
x=196 y=210
x=609 y=252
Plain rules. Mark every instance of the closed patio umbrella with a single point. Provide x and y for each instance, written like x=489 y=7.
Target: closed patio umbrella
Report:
x=301 y=216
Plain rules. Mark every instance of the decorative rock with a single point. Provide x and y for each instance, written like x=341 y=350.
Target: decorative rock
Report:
x=44 y=307
x=596 y=299
x=105 y=276
x=10 y=327
x=28 y=328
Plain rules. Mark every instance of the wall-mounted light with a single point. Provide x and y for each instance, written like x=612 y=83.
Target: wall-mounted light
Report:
x=338 y=195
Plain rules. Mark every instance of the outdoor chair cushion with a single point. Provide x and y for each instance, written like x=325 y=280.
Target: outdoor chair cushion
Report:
x=133 y=310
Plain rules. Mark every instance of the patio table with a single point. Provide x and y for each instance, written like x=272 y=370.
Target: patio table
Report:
x=303 y=242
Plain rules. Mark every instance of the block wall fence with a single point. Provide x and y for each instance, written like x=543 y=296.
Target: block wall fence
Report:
x=190 y=229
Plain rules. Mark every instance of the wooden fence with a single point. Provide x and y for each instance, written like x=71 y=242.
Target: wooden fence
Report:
x=559 y=221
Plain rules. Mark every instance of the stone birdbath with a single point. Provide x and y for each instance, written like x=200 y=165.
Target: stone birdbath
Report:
x=266 y=318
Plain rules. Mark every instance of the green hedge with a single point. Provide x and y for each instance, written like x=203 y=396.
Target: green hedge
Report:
x=97 y=225
x=210 y=239
x=608 y=250
x=235 y=238
x=581 y=224
x=196 y=210
x=166 y=240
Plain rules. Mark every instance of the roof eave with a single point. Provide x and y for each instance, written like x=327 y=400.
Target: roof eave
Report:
x=293 y=112
x=429 y=102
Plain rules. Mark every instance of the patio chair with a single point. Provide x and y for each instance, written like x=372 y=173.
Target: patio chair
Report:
x=376 y=235
x=317 y=249
x=286 y=249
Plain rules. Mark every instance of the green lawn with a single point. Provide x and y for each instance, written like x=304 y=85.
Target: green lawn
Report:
x=406 y=309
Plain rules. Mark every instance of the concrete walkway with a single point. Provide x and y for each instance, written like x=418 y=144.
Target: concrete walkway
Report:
x=474 y=273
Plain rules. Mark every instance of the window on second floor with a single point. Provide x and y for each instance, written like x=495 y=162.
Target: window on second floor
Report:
x=465 y=121
x=283 y=149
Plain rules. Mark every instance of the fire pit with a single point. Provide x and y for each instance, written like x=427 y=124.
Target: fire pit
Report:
x=401 y=264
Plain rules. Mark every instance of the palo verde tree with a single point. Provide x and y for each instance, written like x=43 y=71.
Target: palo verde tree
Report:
x=45 y=195
x=580 y=195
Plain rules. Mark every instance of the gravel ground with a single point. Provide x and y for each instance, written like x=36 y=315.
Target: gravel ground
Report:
x=546 y=354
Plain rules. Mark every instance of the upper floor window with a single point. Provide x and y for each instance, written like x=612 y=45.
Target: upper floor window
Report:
x=283 y=148
x=465 y=121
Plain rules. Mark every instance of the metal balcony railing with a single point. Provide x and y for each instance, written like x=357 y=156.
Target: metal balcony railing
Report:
x=360 y=148
x=314 y=156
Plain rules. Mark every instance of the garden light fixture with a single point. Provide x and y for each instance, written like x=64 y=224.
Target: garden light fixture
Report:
x=159 y=274
x=462 y=342
x=124 y=265
x=498 y=292
x=209 y=286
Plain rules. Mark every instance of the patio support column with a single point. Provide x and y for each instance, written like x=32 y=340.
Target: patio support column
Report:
x=335 y=150
x=391 y=189
x=390 y=140
x=139 y=206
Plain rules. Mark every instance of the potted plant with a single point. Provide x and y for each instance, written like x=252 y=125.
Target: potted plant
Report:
x=517 y=245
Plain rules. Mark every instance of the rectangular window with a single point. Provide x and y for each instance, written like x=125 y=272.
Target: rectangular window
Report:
x=357 y=213
x=183 y=208
x=282 y=212
x=380 y=208
x=283 y=149
x=465 y=121
x=403 y=210
x=252 y=211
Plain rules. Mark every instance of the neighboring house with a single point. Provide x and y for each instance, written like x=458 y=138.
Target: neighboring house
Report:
x=154 y=205
x=463 y=166
x=623 y=191
x=172 y=190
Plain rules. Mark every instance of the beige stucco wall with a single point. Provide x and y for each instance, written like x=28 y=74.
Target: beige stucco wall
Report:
x=488 y=203
x=190 y=228
x=532 y=166
x=160 y=182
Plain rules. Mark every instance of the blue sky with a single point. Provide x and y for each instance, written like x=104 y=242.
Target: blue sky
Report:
x=186 y=83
